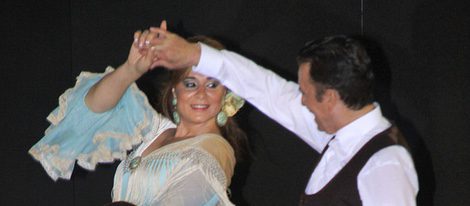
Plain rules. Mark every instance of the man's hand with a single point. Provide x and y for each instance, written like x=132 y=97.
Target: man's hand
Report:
x=171 y=50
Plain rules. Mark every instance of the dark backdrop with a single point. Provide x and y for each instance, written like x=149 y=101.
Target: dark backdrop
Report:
x=421 y=48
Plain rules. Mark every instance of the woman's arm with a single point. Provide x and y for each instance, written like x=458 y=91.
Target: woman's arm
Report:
x=79 y=134
x=105 y=94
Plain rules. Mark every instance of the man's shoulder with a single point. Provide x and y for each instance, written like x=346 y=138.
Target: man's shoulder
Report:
x=394 y=156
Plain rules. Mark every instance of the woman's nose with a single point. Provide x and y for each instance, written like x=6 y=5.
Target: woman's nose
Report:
x=201 y=92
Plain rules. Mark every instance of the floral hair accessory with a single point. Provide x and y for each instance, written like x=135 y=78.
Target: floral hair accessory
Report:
x=232 y=103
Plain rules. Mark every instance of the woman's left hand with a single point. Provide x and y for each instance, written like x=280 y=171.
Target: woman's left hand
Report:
x=141 y=55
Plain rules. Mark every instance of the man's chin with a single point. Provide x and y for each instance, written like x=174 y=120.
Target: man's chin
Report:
x=321 y=129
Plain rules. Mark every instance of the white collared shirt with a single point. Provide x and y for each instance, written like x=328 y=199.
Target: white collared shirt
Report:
x=389 y=176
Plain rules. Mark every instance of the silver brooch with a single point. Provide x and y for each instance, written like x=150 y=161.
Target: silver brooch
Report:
x=135 y=162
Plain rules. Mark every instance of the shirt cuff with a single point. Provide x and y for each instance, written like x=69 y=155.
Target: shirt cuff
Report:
x=210 y=62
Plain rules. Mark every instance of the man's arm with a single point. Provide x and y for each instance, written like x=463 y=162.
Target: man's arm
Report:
x=274 y=96
x=389 y=178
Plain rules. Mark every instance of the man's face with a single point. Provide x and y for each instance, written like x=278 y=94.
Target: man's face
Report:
x=309 y=94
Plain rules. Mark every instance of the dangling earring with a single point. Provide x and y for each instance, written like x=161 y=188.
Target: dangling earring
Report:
x=221 y=119
x=176 y=116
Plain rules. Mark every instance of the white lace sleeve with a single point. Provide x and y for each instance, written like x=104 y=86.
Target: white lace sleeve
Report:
x=78 y=134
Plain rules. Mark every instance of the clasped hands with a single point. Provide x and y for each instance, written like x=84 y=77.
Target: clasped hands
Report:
x=157 y=47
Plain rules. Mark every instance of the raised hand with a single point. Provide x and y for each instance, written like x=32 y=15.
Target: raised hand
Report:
x=106 y=93
x=171 y=50
x=141 y=55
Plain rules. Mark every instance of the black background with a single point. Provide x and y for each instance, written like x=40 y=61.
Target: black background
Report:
x=421 y=48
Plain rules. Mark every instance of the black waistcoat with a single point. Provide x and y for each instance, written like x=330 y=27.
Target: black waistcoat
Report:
x=342 y=189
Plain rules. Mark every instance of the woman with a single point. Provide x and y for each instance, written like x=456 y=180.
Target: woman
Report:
x=189 y=161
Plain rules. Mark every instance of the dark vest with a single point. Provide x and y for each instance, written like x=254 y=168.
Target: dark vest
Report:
x=342 y=189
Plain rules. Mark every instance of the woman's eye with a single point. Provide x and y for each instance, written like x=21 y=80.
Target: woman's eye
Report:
x=212 y=84
x=189 y=84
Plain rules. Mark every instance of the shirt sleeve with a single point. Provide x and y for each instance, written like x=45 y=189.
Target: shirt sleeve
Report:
x=274 y=96
x=78 y=134
x=388 y=178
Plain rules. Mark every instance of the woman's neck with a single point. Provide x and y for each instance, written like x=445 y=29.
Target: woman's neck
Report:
x=184 y=131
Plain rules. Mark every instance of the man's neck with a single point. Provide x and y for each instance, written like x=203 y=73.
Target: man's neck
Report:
x=349 y=115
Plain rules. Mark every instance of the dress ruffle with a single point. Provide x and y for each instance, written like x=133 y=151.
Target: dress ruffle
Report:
x=78 y=134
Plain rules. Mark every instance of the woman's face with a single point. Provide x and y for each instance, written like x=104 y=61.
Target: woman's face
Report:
x=199 y=99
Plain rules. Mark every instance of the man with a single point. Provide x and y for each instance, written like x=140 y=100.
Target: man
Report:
x=331 y=109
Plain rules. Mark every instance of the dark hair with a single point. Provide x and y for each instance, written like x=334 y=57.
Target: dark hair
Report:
x=119 y=203
x=340 y=63
x=230 y=131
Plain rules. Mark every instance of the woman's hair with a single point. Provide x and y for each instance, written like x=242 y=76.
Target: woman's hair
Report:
x=119 y=203
x=230 y=131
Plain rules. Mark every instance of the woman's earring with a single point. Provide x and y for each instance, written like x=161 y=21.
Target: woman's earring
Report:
x=221 y=119
x=176 y=116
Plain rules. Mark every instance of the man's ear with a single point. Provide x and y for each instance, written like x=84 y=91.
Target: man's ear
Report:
x=331 y=98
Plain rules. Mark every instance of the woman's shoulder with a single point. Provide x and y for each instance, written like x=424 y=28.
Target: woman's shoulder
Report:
x=220 y=149
x=215 y=145
x=211 y=138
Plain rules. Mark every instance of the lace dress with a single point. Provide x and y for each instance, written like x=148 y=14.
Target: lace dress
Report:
x=195 y=171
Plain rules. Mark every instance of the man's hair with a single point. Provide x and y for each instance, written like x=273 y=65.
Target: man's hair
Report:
x=340 y=63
